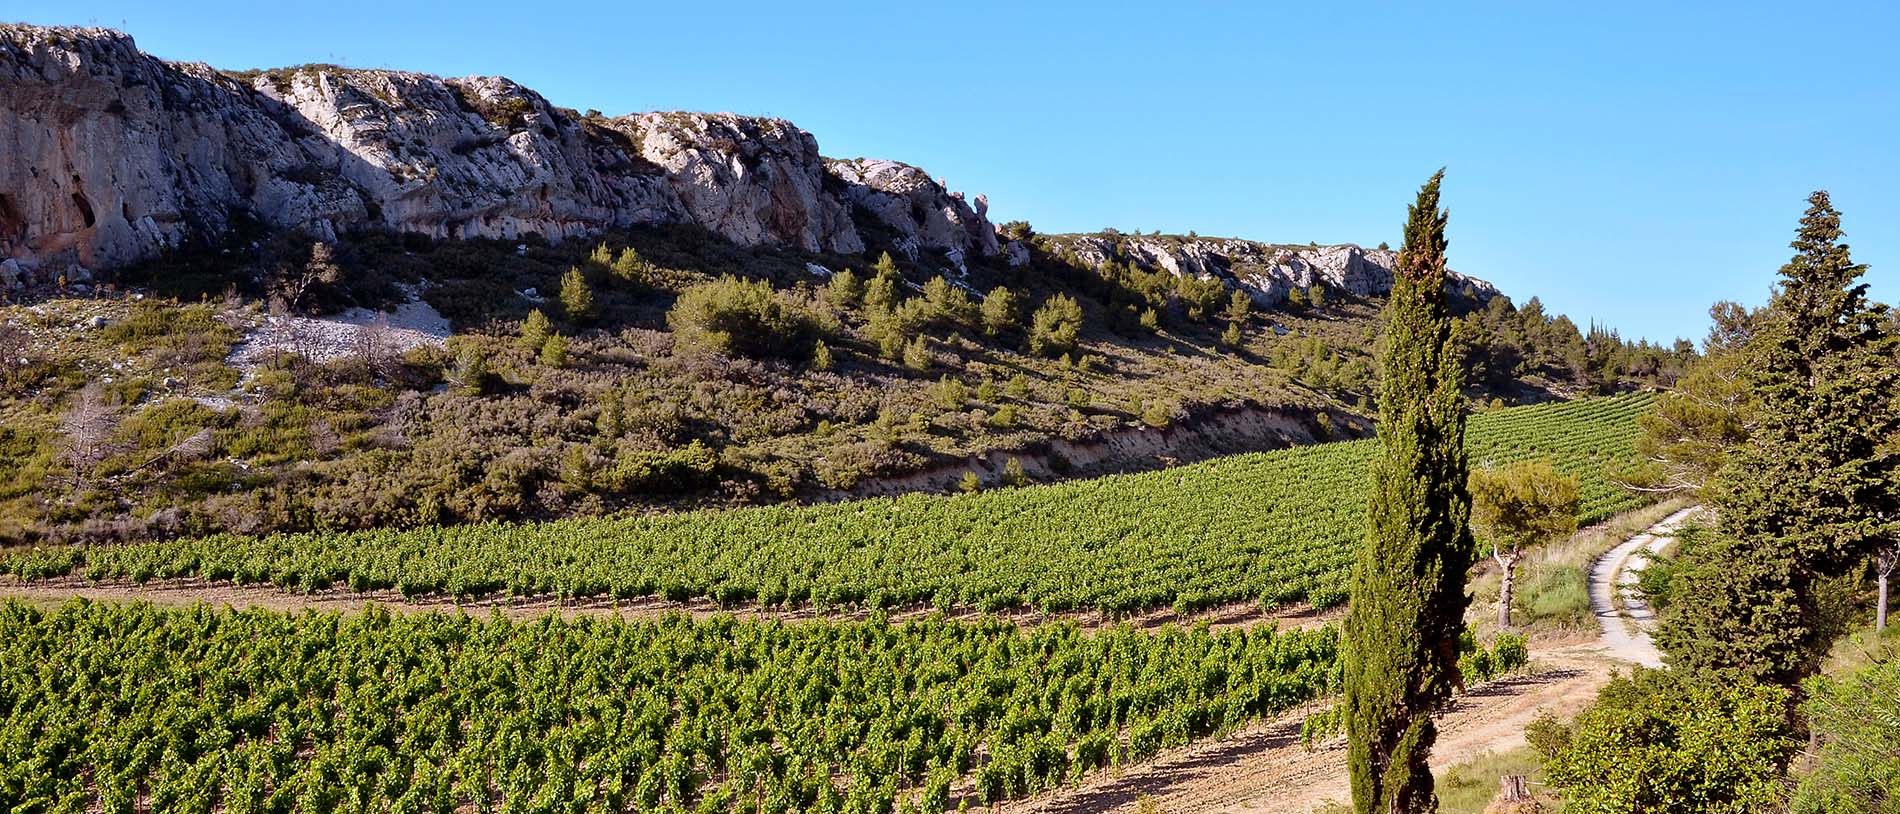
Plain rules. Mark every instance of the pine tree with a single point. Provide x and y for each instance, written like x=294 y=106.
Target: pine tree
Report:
x=999 y=311
x=554 y=351
x=1408 y=586
x=534 y=331
x=577 y=299
x=1811 y=493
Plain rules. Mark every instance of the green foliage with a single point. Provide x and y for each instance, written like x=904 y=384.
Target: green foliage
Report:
x=1523 y=504
x=1013 y=474
x=1018 y=387
x=449 y=712
x=1408 y=584
x=949 y=305
x=554 y=351
x=1659 y=742
x=1239 y=307
x=1316 y=296
x=630 y=267
x=821 y=356
x=1230 y=338
x=1688 y=436
x=846 y=289
x=1056 y=327
x=577 y=297
x=970 y=483
x=660 y=473
x=917 y=353
x=950 y=394
x=1855 y=718
x=881 y=294
x=1119 y=544
x=885 y=266
x=535 y=331
x=1813 y=490
x=744 y=317
x=470 y=374
x=1001 y=311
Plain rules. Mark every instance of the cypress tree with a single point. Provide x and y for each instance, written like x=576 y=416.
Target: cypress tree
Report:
x=1408 y=585
x=1811 y=494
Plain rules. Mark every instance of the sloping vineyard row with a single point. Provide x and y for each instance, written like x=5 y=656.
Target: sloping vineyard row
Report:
x=131 y=708
x=1275 y=527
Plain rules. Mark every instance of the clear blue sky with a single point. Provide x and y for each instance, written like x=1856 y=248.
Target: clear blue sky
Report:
x=1626 y=162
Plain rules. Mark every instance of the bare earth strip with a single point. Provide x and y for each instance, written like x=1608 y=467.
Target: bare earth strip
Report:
x=187 y=592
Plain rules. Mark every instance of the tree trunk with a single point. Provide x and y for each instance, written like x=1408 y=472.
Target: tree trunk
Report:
x=1513 y=787
x=1507 y=565
x=1884 y=562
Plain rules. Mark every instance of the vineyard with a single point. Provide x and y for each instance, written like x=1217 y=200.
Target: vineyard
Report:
x=130 y=708
x=1274 y=527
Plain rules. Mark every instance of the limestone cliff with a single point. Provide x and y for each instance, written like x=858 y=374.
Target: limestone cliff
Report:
x=1266 y=271
x=109 y=156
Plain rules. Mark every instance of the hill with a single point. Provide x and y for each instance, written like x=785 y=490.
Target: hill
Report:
x=332 y=298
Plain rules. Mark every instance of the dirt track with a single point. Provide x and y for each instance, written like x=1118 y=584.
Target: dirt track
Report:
x=1264 y=768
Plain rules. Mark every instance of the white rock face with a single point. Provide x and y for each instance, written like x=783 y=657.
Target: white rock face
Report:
x=752 y=180
x=905 y=198
x=1267 y=272
x=109 y=156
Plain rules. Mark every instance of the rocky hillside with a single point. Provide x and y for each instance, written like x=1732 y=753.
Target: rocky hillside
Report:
x=112 y=156
x=1266 y=271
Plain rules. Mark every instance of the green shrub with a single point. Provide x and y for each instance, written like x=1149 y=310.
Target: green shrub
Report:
x=1856 y=720
x=744 y=317
x=949 y=306
x=554 y=351
x=1657 y=741
x=671 y=472
x=846 y=289
x=577 y=297
x=1056 y=327
x=917 y=354
x=535 y=331
x=1000 y=311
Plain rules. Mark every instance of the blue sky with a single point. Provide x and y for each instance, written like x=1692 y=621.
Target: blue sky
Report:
x=1630 y=163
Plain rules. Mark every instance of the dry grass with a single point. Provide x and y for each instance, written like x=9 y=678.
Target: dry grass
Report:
x=1552 y=591
x=1469 y=787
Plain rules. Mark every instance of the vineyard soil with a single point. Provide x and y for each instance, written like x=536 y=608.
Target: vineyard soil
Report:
x=1264 y=769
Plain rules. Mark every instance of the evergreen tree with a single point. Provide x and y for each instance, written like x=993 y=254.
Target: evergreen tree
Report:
x=1239 y=307
x=631 y=267
x=577 y=299
x=846 y=289
x=554 y=351
x=1811 y=494
x=1408 y=598
x=1056 y=326
x=535 y=331
x=999 y=311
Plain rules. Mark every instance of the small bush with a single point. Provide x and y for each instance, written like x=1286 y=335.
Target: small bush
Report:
x=577 y=297
x=1056 y=327
x=744 y=317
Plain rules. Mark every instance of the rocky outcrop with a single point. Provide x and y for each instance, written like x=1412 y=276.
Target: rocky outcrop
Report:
x=1266 y=271
x=109 y=156
x=752 y=180
x=922 y=211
